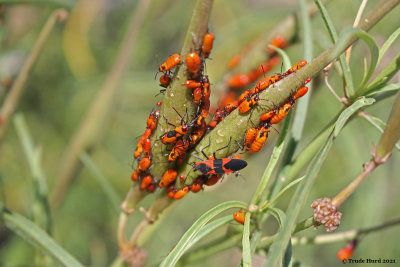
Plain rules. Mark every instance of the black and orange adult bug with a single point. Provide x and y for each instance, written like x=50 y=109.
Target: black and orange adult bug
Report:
x=171 y=62
x=218 y=166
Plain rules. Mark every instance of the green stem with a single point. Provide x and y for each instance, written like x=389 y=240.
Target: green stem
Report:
x=178 y=97
x=392 y=131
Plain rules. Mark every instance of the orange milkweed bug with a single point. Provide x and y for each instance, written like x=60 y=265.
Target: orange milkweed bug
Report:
x=147 y=147
x=197 y=185
x=260 y=139
x=151 y=188
x=135 y=175
x=213 y=124
x=181 y=192
x=165 y=80
x=197 y=94
x=144 y=164
x=248 y=103
x=171 y=136
x=278 y=41
x=250 y=136
x=266 y=82
x=192 y=84
x=239 y=216
x=146 y=181
x=208 y=41
x=179 y=150
x=238 y=81
x=234 y=61
x=139 y=150
x=152 y=120
x=346 y=252
x=197 y=133
x=168 y=177
x=228 y=98
x=230 y=107
x=300 y=92
x=171 y=62
x=296 y=67
x=193 y=63
x=281 y=113
x=267 y=116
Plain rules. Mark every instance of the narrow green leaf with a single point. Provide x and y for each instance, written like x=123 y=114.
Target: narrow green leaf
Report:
x=373 y=47
x=108 y=189
x=285 y=58
x=384 y=76
x=388 y=43
x=38 y=238
x=191 y=233
x=246 y=251
x=348 y=112
x=328 y=22
x=279 y=215
x=386 y=88
x=290 y=185
x=206 y=230
x=287 y=258
x=378 y=124
x=40 y=205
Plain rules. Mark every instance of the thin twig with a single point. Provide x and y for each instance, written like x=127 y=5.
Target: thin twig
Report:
x=326 y=75
x=15 y=94
x=134 y=237
x=342 y=236
x=356 y=22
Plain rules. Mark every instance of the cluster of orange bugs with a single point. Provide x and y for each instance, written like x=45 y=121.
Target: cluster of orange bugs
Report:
x=183 y=136
x=241 y=80
x=188 y=133
x=256 y=137
x=143 y=153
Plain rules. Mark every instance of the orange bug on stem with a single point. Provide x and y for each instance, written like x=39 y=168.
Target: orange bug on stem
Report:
x=208 y=41
x=171 y=62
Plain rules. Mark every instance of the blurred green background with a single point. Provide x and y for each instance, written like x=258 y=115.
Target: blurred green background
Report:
x=73 y=66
